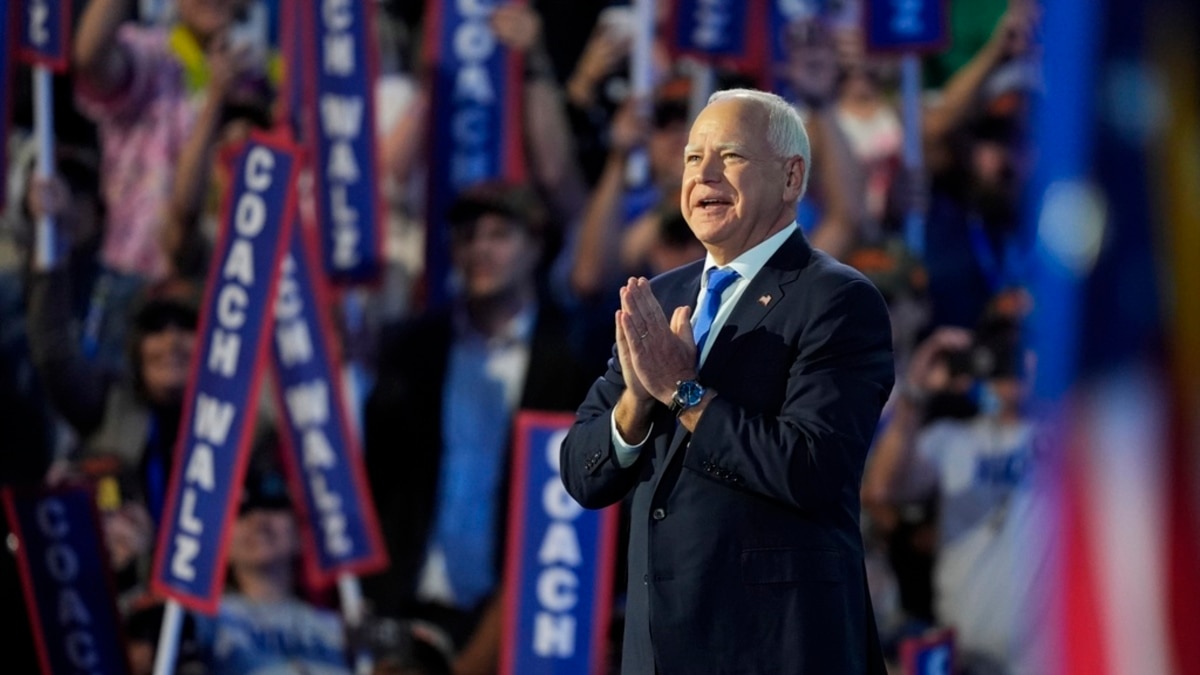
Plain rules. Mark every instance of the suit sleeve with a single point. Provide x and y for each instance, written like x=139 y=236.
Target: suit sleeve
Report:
x=811 y=454
x=588 y=461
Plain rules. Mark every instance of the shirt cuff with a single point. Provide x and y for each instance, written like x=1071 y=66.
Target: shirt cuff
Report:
x=626 y=454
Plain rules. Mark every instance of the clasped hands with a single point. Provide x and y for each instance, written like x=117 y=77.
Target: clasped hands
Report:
x=654 y=354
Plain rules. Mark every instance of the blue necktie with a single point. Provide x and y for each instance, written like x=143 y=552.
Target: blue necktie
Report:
x=719 y=278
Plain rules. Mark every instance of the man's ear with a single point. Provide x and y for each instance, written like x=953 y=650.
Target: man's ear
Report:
x=794 y=170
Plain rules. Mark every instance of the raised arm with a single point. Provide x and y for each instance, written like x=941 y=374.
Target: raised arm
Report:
x=97 y=55
x=191 y=182
x=598 y=245
x=548 y=140
x=77 y=388
x=892 y=457
x=838 y=180
x=1010 y=38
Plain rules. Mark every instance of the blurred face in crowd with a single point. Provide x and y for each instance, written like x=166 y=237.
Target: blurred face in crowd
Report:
x=495 y=256
x=667 y=140
x=736 y=190
x=263 y=538
x=165 y=357
x=206 y=18
x=994 y=182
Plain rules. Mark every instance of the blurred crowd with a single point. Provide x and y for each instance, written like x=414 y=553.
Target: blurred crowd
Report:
x=95 y=344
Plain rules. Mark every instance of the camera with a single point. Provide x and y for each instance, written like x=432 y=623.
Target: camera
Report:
x=995 y=352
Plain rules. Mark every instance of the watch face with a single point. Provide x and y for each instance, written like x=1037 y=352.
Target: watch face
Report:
x=689 y=393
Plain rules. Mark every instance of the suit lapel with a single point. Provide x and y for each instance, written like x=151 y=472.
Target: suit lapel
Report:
x=760 y=298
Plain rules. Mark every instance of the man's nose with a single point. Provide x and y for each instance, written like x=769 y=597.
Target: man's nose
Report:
x=709 y=169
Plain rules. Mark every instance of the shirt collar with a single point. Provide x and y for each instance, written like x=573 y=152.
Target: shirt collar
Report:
x=749 y=263
x=519 y=329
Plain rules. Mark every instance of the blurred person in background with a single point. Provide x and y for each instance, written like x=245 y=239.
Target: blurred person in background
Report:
x=599 y=85
x=263 y=624
x=977 y=149
x=148 y=88
x=865 y=113
x=437 y=424
x=833 y=212
x=618 y=214
x=989 y=558
x=131 y=416
x=72 y=194
x=549 y=145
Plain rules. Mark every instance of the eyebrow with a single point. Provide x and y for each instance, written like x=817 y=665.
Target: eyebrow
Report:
x=719 y=147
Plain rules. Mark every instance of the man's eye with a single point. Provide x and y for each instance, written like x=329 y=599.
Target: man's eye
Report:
x=691 y=159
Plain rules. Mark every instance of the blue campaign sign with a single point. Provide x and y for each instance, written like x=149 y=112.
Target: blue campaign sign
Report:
x=930 y=654
x=475 y=120
x=560 y=560
x=64 y=570
x=217 y=425
x=711 y=27
x=44 y=32
x=341 y=58
x=907 y=25
x=323 y=457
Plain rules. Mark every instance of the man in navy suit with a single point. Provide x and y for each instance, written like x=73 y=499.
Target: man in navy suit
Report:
x=744 y=454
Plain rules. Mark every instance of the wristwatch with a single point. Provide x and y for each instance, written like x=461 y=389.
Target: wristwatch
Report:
x=688 y=394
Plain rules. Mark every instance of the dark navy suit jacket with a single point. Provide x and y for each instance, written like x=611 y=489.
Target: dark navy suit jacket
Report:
x=745 y=554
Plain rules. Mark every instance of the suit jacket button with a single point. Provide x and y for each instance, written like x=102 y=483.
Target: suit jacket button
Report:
x=658 y=514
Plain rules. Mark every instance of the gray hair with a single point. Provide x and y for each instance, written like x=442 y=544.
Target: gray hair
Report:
x=785 y=127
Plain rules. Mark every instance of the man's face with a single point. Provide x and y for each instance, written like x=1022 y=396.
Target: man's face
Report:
x=166 y=355
x=495 y=256
x=263 y=537
x=207 y=18
x=736 y=191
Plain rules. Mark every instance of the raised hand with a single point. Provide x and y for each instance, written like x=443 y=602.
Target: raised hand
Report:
x=517 y=27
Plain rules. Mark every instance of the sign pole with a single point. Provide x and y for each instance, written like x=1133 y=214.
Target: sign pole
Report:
x=350 y=593
x=168 y=639
x=45 y=253
x=641 y=81
x=914 y=160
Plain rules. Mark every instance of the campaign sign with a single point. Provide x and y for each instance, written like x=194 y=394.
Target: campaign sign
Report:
x=929 y=654
x=475 y=119
x=44 y=32
x=341 y=62
x=907 y=25
x=323 y=457
x=560 y=561
x=217 y=425
x=64 y=573
x=709 y=28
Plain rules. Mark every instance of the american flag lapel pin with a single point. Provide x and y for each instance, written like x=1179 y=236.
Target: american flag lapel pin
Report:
x=764 y=300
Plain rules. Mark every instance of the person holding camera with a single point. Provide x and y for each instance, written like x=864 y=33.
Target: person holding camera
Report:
x=980 y=472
